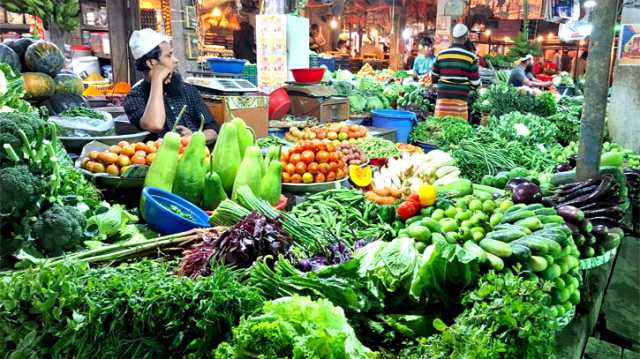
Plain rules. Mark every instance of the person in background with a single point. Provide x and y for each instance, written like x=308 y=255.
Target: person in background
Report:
x=557 y=60
x=581 y=64
x=566 y=62
x=153 y=104
x=342 y=47
x=425 y=59
x=244 y=44
x=519 y=77
x=316 y=40
x=455 y=74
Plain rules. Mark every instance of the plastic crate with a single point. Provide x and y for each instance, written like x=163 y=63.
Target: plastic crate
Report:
x=329 y=63
x=314 y=61
x=250 y=73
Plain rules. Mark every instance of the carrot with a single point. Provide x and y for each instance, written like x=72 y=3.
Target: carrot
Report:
x=387 y=200
x=381 y=191
x=394 y=192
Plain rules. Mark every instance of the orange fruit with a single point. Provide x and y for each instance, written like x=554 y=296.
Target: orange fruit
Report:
x=320 y=178
x=290 y=168
x=301 y=168
x=312 y=168
x=295 y=158
x=286 y=177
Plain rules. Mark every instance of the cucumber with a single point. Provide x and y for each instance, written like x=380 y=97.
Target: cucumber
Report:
x=432 y=224
x=553 y=248
x=438 y=214
x=556 y=237
x=545 y=212
x=495 y=219
x=463 y=215
x=538 y=264
x=482 y=195
x=516 y=216
x=495 y=247
x=534 y=207
x=532 y=223
x=506 y=235
x=494 y=261
x=512 y=227
x=476 y=250
x=413 y=219
x=612 y=241
x=551 y=219
x=513 y=208
x=520 y=253
x=552 y=272
x=536 y=245
x=449 y=225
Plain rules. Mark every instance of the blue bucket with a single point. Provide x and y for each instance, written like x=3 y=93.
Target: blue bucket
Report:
x=401 y=121
x=426 y=147
x=278 y=132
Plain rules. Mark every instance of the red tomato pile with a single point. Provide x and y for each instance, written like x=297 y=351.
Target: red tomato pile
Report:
x=312 y=162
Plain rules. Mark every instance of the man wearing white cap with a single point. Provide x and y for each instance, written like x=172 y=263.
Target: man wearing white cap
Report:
x=519 y=78
x=455 y=74
x=153 y=104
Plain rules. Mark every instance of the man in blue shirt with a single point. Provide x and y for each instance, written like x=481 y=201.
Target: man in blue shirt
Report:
x=425 y=59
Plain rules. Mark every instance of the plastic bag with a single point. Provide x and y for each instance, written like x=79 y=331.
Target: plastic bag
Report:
x=85 y=126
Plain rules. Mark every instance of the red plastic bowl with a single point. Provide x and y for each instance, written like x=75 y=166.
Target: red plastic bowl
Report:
x=279 y=104
x=311 y=75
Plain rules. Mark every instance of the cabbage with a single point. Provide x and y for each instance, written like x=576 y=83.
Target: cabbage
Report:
x=357 y=103
x=374 y=103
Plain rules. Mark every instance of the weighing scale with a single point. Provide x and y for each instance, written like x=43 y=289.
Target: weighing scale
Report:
x=222 y=85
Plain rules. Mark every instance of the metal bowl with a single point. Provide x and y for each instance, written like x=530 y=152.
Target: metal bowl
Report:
x=75 y=144
x=103 y=180
x=302 y=188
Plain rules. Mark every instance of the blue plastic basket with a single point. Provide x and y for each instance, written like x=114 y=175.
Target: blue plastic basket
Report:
x=226 y=66
x=426 y=147
x=329 y=63
x=160 y=217
x=401 y=121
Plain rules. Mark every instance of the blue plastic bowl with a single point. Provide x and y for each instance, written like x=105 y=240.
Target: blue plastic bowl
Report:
x=163 y=220
x=226 y=66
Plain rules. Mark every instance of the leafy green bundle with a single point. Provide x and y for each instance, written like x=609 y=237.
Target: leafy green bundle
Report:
x=444 y=132
x=295 y=327
x=12 y=90
x=140 y=310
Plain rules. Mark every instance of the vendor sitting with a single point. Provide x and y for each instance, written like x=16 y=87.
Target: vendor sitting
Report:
x=519 y=77
x=153 y=104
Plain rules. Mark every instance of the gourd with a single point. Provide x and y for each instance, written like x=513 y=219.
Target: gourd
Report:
x=9 y=57
x=249 y=171
x=38 y=86
x=44 y=56
x=360 y=176
x=68 y=83
x=226 y=155
x=271 y=184
x=20 y=47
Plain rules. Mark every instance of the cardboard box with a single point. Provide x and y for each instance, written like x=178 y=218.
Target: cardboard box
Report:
x=254 y=110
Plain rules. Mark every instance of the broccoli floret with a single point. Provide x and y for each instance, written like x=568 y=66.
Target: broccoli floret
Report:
x=10 y=125
x=58 y=229
x=21 y=189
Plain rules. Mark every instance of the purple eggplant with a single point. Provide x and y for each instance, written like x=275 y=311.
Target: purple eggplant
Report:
x=570 y=214
x=526 y=192
x=572 y=160
x=563 y=167
x=515 y=182
x=600 y=231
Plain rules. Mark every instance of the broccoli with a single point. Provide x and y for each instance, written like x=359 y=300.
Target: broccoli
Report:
x=21 y=189
x=58 y=229
x=10 y=125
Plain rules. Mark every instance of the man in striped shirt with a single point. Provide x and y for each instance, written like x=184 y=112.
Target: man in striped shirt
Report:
x=455 y=74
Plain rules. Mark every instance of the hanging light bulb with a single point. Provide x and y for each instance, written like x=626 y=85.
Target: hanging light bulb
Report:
x=333 y=23
x=374 y=32
x=216 y=12
x=540 y=38
x=406 y=34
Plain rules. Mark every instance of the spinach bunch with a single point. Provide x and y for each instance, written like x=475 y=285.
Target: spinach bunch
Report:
x=507 y=316
x=139 y=310
x=444 y=132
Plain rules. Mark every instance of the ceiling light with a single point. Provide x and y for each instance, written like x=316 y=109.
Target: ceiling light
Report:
x=333 y=23
x=488 y=32
x=216 y=12
x=406 y=34
x=540 y=38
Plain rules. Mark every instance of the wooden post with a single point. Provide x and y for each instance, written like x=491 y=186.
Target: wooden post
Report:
x=525 y=16
x=399 y=21
x=596 y=90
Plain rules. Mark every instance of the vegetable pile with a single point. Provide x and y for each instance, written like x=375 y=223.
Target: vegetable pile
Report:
x=313 y=161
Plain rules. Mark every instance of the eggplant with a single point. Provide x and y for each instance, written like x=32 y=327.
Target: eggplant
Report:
x=607 y=221
x=577 y=185
x=515 y=182
x=590 y=239
x=600 y=231
x=526 y=193
x=574 y=229
x=563 y=167
x=603 y=187
x=573 y=160
x=548 y=201
x=606 y=212
x=570 y=214
x=568 y=196
x=579 y=239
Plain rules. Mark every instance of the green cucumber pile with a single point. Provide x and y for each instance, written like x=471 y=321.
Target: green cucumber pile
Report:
x=504 y=235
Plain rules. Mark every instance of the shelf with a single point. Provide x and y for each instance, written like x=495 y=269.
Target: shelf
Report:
x=14 y=27
x=94 y=28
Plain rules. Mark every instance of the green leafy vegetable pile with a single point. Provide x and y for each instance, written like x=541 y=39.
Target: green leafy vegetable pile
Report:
x=501 y=99
x=140 y=310
x=377 y=147
x=295 y=327
x=82 y=112
x=526 y=129
x=12 y=91
x=445 y=132
x=508 y=316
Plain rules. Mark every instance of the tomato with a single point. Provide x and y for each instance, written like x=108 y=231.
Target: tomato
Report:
x=415 y=199
x=320 y=178
x=308 y=146
x=330 y=147
x=284 y=157
x=340 y=173
x=336 y=156
x=333 y=166
x=296 y=178
x=307 y=156
x=139 y=160
x=407 y=210
x=286 y=178
x=331 y=176
x=294 y=158
x=322 y=156
x=295 y=149
x=312 y=168
x=301 y=168
x=307 y=177
x=150 y=158
x=341 y=164
x=321 y=146
x=290 y=168
x=323 y=168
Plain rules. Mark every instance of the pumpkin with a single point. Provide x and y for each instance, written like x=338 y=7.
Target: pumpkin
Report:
x=38 y=86
x=20 y=47
x=68 y=83
x=44 y=56
x=59 y=103
x=360 y=176
x=9 y=57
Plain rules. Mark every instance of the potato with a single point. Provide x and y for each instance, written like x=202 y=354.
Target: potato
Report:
x=97 y=167
x=115 y=149
x=123 y=161
x=93 y=155
x=128 y=150
x=84 y=162
x=113 y=170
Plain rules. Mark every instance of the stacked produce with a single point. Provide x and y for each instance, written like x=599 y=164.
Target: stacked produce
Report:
x=594 y=212
x=353 y=155
x=446 y=132
x=12 y=90
x=416 y=99
x=408 y=172
x=63 y=14
x=313 y=162
x=376 y=147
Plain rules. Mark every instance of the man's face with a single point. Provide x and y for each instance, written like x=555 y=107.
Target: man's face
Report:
x=167 y=56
